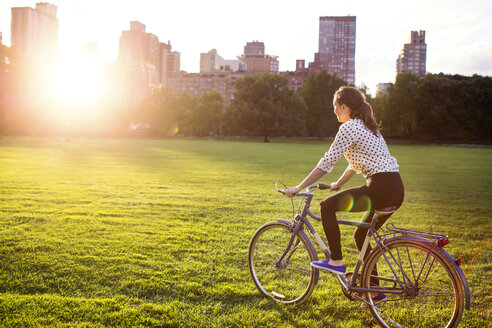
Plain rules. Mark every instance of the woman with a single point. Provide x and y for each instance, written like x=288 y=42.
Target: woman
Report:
x=359 y=139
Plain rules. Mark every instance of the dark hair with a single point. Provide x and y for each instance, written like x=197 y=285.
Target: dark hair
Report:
x=356 y=101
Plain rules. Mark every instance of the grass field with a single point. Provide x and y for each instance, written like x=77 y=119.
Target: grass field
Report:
x=154 y=233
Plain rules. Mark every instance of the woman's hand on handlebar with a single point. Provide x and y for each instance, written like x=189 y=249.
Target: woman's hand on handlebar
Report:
x=334 y=186
x=290 y=192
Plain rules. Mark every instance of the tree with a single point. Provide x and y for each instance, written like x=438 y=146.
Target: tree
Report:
x=440 y=114
x=455 y=108
x=265 y=105
x=208 y=114
x=317 y=92
x=185 y=109
x=480 y=91
x=159 y=110
x=402 y=105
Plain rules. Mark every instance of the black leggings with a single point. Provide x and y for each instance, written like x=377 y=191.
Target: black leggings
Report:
x=382 y=190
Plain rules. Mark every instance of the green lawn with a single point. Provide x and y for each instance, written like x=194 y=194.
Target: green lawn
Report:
x=154 y=233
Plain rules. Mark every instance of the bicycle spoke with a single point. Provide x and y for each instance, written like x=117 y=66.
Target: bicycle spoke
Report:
x=297 y=244
x=411 y=265
x=299 y=267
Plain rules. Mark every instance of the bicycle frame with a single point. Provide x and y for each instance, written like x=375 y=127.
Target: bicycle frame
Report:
x=302 y=220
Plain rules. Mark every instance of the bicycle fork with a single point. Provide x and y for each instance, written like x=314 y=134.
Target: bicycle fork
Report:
x=282 y=261
x=297 y=226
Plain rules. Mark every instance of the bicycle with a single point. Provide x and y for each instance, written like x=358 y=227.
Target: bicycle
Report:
x=424 y=284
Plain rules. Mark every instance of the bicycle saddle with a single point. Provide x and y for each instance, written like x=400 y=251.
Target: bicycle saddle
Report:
x=386 y=210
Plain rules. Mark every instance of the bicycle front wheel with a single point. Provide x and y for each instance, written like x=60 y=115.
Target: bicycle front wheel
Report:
x=290 y=280
x=421 y=286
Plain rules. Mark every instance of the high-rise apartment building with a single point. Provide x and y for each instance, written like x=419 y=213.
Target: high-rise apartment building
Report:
x=256 y=61
x=23 y=30
x=170 y=63
x=412 y=57
x=336 y=52
x=138 y=57
x=34 y=32
x=137 y=46
x=146 y=62
x=213 y=62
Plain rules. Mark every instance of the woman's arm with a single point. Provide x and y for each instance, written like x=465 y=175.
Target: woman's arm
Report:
x=312 y=177
x=345 y=138
x=343 y=179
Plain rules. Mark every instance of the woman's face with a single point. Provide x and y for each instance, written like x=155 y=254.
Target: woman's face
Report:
x=341 y=111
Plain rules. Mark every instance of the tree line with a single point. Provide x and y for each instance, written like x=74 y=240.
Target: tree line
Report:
x=436 y=108
x=263 y=105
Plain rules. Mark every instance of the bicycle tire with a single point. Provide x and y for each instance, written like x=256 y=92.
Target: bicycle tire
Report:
x=434 y=295
x=289 y=282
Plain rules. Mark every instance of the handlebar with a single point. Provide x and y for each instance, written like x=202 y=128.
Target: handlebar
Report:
x=320 y=186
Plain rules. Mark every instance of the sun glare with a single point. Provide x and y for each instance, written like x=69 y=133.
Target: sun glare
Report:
x=75 y=87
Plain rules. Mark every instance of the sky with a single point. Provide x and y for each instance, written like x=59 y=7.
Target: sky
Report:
x=458 y=33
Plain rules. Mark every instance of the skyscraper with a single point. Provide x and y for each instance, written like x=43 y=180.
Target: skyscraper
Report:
x=412 y=57
x=170 y=62
x=336 y=52
x=139 y=56
x=144 y=63
x=34 y=32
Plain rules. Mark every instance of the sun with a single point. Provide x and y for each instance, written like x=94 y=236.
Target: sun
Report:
x=75 y=87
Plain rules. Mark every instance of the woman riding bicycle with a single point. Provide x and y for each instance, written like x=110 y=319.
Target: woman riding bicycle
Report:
x=360 y=140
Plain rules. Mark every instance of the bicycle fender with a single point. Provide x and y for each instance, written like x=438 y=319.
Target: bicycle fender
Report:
x=309 y=242
x=447 y=255
x=284 y=221
x=462 y=277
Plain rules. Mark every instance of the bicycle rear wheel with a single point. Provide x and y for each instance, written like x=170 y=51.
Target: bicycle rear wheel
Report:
x=431 y=294
x=291 y=280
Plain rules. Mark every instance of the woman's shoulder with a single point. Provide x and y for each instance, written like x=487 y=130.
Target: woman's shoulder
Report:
x=351 y=124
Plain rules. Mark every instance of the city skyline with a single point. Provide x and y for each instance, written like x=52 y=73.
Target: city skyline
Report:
x=459 y=38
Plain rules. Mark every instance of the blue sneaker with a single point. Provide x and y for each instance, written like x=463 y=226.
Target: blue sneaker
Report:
x=381 y=297
x=338 y=269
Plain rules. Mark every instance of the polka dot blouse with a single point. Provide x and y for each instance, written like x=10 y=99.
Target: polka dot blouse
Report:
x=366 y=153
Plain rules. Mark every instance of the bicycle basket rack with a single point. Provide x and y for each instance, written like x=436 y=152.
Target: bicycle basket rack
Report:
x=391 y=230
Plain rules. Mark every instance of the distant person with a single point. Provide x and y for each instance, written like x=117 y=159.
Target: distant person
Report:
x=360 y=140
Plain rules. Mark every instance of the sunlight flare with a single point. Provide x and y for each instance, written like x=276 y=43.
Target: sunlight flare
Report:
x=75 y=87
